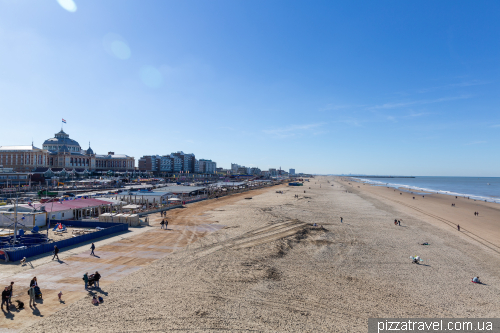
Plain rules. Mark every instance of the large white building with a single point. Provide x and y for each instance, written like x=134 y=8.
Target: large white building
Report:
x=62 y=152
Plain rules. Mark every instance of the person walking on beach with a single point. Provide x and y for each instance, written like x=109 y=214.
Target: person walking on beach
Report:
x=56 y=251
x=341 y=220
x=92 y=247
x=399 y=222
x=162 y=224
x=458 y=227
x=166 y=224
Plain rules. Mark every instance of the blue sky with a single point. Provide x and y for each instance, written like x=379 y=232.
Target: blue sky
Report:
x=372 y=87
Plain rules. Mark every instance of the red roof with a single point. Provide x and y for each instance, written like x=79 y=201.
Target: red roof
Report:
x=70 y=204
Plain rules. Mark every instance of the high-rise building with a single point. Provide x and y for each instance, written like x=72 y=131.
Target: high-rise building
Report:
x=149 y=163
x=235 y=167
x=188 y=161
x=291 y=172
x=207 y=166
x=255 y=171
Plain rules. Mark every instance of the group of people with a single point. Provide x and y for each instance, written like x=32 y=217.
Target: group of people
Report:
x=33 y=292
x=452 y=205
x=397 y=222
x=164 y=223
x=476 y=213
x=91 y=280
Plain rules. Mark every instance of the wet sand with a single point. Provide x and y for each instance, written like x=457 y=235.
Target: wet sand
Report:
x=270 y=270
x=437 y=209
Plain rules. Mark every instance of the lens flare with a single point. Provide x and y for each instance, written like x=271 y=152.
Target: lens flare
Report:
x=116 y=46
x=69 y=5
x=151 y=77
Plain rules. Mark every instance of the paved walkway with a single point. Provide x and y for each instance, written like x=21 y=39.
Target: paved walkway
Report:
x=116 y=257
x=114 y=260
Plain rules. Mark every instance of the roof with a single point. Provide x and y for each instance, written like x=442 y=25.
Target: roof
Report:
x=113 y=201
x=11 y=208
x=139 y=193
x=18 y=148
x=70 y=204
x=183 y=189
x=61 y=141
x=113 y=156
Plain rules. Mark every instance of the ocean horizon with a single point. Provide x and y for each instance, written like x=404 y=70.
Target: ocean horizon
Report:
x=477 y=188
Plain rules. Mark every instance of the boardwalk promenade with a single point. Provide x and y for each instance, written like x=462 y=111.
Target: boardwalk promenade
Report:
x=114 y=260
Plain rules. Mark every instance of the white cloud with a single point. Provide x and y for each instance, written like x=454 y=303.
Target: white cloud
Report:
x=454 y=85
x=475 y=143
x=418 y=102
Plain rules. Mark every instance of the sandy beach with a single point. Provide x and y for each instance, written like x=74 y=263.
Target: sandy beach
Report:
x=268 y=269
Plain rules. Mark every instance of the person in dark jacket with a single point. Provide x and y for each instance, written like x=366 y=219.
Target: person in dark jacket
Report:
x=11 y=289
x=92 y=248
x=5 y=298
x=97 y=277
x=56 y=251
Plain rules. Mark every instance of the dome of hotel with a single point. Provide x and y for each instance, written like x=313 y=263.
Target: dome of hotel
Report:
x=61 y=142
x=89 y=151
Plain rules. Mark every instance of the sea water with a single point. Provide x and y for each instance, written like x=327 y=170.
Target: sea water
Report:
x=477 y=188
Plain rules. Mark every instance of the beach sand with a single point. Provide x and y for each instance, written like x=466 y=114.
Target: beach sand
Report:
x=270 y=270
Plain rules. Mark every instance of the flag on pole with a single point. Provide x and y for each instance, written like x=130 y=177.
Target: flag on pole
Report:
x=64 y=121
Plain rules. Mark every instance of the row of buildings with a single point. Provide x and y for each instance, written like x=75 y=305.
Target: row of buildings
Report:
x=61 y=155
x=62 y=152
x=178 y=162
x=237 y=169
